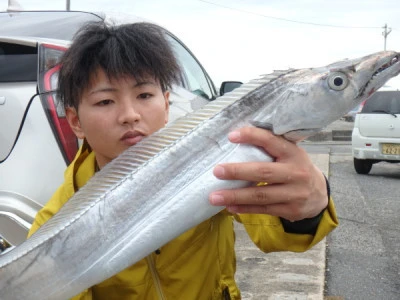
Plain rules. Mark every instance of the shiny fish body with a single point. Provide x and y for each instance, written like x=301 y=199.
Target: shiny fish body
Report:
x=159 y=188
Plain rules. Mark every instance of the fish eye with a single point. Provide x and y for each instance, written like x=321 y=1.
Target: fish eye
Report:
x=338 y=81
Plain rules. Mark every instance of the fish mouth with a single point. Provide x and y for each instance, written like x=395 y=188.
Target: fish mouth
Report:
x=382 y=72
x=391 y=62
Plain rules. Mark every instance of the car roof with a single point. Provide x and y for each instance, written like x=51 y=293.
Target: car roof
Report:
x=55 y=24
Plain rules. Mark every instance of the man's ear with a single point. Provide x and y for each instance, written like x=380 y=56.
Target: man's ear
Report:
x=73 y=119
x=166 y=97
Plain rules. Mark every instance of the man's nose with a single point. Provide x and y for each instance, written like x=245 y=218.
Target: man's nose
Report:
x=128 y=114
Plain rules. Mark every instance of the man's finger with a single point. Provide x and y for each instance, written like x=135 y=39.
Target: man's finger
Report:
x=258 y=196
x=260 y=172
x=275 y=146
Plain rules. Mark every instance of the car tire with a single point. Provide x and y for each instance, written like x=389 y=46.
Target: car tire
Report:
x=362 y=166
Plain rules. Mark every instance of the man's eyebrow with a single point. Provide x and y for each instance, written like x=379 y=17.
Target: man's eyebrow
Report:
x=141 y=83
x=113 y=89
x=102 y=89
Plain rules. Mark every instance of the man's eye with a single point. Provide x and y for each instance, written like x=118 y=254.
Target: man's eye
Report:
x=144 y=95
x=104 y=102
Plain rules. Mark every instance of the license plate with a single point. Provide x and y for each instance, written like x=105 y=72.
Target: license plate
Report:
x=391 y=149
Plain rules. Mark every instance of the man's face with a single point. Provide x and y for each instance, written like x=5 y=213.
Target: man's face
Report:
x=116 y=114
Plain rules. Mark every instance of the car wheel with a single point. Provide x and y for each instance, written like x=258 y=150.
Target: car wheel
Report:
x=362 y=166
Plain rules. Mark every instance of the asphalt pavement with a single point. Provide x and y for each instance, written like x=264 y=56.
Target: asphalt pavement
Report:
x=287 y=275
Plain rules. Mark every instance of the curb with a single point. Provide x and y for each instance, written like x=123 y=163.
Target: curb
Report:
x=333 y=135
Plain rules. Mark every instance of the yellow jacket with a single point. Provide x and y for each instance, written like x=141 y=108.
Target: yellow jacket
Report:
x=199 y=264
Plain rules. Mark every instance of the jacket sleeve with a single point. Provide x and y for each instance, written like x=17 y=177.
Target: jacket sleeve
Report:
x=268 y=234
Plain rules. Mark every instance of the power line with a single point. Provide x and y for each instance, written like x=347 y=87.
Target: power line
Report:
x=289 y=20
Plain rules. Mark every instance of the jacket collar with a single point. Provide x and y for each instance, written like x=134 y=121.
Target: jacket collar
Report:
x=81 y=169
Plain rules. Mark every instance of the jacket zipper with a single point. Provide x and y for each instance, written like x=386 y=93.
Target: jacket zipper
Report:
x=154 y=275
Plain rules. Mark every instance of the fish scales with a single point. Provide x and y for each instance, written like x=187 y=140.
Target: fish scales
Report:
x=126 y=209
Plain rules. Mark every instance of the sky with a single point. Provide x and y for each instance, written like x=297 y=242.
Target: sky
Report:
x=242 y=39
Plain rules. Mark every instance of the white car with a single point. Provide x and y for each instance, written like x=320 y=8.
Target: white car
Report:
x=36 y=143
x=376 y=132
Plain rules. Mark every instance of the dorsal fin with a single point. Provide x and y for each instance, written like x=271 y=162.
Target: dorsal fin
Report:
x=152 y=145
x=126 y=164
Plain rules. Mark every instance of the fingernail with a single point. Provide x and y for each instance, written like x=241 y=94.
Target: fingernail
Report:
x=216 y=199
x=234 y=136
x=219 y=171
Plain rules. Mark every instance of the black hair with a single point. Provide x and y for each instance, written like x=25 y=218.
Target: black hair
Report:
x=138 y=50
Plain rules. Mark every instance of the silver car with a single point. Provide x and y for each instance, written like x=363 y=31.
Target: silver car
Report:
x=36 y=143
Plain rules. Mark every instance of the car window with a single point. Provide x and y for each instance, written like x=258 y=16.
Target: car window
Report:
x=196 y=80
x=383 y=102
x=17 y=63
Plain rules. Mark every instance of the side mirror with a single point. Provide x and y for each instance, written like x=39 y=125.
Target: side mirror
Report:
x=228 y=86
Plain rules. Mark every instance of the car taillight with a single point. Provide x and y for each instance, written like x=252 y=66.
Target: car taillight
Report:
x=49 y=57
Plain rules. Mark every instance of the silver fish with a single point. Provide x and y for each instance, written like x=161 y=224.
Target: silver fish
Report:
x=159 y=188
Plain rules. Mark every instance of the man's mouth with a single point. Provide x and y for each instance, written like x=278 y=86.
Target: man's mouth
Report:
x=132 y=137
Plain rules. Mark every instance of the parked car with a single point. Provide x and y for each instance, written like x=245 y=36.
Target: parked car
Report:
x=376 y=132
x=36 y=143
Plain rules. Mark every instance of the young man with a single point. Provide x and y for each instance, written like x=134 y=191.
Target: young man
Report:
x=114 y=85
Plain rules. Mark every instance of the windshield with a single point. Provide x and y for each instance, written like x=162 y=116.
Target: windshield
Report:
x=45 y=24
x=383 y=102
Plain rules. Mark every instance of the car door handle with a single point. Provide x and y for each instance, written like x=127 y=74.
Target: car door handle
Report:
x=2 y=100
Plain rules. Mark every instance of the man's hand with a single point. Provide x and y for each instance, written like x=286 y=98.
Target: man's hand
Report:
x=295 y=188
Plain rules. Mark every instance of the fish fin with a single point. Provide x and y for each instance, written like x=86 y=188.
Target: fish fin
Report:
x=129 y=162
x=264 y=125
x=166 y=136
x=151 y=146
x=301 y=134
x=293 y=136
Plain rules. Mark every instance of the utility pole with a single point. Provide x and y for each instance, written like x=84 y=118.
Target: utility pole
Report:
x=13 y=5
x=68 y=5
x=385 y=33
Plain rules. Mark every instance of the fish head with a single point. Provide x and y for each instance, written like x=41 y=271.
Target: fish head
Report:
x=310 y=99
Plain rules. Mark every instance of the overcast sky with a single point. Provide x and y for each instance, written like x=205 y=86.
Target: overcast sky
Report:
x=241 y=39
